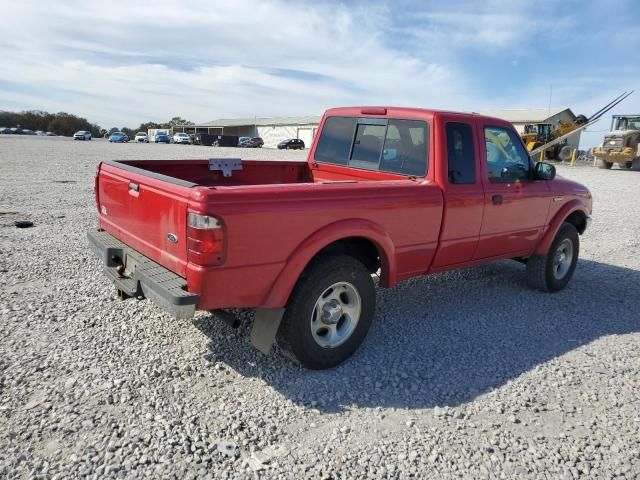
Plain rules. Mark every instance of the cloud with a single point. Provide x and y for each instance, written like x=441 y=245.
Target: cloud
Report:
x=236 y=58
x=123 y=63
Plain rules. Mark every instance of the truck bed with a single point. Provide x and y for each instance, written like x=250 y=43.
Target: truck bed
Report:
x=269 y=210
x=254 y=172
x=197 y=172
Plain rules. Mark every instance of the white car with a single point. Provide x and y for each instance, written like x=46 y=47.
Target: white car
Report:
x=82 y=135
x=141 y=137
x=182 y=138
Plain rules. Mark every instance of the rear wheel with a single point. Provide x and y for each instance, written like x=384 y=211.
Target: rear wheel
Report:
x=329 y=312
x=553 y=271
x=604 y=164
x=565 y=153
x=635 y=165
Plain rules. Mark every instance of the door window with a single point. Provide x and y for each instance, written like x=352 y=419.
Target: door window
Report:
x=460 y=153
x=507 y=160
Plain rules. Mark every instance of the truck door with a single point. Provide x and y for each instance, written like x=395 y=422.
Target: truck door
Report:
x=515 y=205
x=463 y=191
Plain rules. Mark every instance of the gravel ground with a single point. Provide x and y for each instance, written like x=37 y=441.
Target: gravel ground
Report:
x=466 y=374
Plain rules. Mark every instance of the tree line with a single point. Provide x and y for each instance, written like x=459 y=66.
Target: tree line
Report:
x=67 y=124
x=144 y=127
x=60 y=123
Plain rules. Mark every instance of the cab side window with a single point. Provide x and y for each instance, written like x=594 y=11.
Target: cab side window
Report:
x=460 y=154
x=507 y=160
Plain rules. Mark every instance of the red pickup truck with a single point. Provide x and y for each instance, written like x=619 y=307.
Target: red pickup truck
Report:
x=396 y=192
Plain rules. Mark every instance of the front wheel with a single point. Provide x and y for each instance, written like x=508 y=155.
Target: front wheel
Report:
x=329 y=312
x=553 y=271
x=604 y=164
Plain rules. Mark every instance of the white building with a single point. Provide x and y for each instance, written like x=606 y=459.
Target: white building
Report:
x=271 y=130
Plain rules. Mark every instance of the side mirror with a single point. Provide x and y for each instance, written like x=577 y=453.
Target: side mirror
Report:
x=545 y=171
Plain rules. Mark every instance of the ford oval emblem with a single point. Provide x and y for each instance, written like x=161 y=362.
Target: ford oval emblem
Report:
x=172 y=237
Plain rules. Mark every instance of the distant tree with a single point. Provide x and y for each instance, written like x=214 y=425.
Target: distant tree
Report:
x=9 y=119
x=130 y=133
x=176 y=121
x=145 y=127
x=67 y=124
x=113 y=130
x=96 y=131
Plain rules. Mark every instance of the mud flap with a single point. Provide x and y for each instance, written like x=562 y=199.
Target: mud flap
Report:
x=265 y=326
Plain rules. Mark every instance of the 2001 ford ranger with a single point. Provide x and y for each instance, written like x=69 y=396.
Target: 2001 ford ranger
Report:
x=397 y=190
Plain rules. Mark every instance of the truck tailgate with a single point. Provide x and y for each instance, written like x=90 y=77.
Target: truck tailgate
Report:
x=148 y=214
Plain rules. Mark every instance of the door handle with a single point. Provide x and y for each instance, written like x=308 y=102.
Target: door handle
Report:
x=134 y=189
x=497 y=199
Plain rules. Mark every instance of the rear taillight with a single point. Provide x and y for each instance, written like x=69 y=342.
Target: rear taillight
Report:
x=96 y=187
x=205 y=240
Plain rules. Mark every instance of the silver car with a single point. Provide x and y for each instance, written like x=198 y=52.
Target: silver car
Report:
x=82 y=135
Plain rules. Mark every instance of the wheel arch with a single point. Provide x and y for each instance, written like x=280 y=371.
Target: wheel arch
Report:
x=361 y=239
x=574 y=212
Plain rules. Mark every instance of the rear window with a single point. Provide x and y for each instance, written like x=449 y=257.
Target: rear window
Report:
x=387 y=145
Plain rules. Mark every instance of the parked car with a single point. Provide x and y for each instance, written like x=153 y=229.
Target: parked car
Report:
x=5 y=130
x=252 y=142
x=162 y=138
x=182 y=138
x=118 y=137
x=141 y=137
x=300 y=241
x=292 y=143
x=82 y=135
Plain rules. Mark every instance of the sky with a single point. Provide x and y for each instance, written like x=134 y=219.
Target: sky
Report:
x=123 y=63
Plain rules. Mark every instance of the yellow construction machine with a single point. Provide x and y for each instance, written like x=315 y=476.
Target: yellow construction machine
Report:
x=552 y=139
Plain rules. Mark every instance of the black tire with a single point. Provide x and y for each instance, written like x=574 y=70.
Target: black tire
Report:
x=541 y=269
x=635 y=165
x=625 y=165
x=604 y=164
x=565 y=153
x=295 y=334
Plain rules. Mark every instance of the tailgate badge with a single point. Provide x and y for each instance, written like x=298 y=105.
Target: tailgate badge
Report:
x=172 y=237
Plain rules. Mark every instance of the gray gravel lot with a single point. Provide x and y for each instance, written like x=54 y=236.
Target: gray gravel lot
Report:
x=467 y=374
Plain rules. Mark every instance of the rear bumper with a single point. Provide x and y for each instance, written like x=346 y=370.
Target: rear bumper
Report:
x=138 y=276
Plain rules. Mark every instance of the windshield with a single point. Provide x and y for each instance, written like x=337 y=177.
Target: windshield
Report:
x=628 y=123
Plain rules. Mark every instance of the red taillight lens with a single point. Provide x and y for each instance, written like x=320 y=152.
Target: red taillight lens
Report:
x=205 y=240
x=96 y=188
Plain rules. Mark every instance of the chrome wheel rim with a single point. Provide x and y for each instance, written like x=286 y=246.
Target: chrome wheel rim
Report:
x=335 y=315
x=562 y=259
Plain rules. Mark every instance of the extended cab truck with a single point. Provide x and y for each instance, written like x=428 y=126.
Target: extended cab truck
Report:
x=401 y=191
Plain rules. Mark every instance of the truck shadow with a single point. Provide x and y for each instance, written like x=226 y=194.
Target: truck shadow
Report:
x=445 y=339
